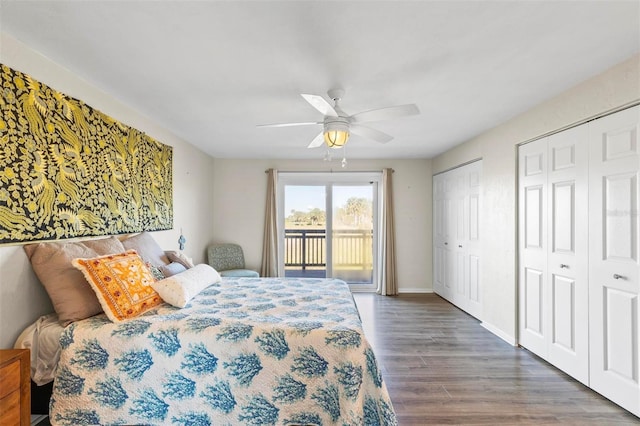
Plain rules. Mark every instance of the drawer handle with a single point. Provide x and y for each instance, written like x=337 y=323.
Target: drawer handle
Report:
x=619 y=277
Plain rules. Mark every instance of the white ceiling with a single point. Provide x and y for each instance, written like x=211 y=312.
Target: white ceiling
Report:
x=210 y=71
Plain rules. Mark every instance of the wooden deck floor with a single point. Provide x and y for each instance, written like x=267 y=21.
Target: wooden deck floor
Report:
x=442 y=367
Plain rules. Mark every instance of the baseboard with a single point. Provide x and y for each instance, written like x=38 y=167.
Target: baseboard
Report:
x=414 y=290
x=501 y=334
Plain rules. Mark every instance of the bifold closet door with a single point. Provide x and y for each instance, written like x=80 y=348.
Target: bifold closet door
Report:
x=438 y=235
x=568 y=255
x=457 y=206
x=553 y=276
x=614 y=267
x=532 y=223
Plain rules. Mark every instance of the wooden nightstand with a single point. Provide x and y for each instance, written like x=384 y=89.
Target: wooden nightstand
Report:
x=15 y=387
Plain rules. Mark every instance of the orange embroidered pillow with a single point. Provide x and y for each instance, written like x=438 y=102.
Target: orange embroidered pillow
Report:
x=122 y=283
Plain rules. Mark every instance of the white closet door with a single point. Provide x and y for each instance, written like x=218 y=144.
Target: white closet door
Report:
x=614 y=163
x=567 y=275
x=460 y=294
x=456 y=249
x=533 y=246
x=471 y=246
x=438 y=234
x=450 y=270
x=553 y=246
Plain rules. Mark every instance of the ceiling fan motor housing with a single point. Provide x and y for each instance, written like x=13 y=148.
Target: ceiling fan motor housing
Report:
x=336 y=123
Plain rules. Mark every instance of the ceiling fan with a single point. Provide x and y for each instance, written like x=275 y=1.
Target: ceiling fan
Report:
x=338 y=125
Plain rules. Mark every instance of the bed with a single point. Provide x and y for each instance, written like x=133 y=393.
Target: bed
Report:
x=255 y=351
x=143 y=336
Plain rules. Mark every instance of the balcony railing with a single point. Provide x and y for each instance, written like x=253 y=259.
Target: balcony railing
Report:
x=307 y=248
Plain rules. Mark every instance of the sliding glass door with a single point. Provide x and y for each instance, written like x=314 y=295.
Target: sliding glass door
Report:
x=352 y=233
x=329 y=223
x=305 y=231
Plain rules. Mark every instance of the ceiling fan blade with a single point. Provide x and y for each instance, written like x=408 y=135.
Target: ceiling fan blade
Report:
x=317 y=141
x=307 y=123
x=369 y=133
x=319 y=103
x=385 y=113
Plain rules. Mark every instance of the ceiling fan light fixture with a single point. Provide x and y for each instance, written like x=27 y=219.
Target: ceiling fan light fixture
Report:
x=336 y=134
x=336 y=138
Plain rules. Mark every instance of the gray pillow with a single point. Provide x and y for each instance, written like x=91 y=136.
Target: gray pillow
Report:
x=147 y=248
x=71 y=295
x=172 y=269
x=102 y=246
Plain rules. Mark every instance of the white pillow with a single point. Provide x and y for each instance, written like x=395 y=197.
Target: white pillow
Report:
x=179 y=289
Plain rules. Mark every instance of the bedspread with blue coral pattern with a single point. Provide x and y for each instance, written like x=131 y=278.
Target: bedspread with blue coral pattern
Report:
x=245 y=351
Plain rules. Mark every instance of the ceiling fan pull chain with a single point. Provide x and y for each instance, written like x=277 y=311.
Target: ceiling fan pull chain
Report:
x=343 y=163
x=327 y=155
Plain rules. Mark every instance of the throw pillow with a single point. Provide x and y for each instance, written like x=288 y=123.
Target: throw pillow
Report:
x=147 y=248
x=180 y=257
x=122 y=284
x=102 y=246
x=171 y=269
x=155 y=271
x=179 y=289
x=71 y=295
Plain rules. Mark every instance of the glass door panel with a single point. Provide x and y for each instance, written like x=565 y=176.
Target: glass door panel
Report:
x=305 y=230
x=352 y=225
x=330 y=224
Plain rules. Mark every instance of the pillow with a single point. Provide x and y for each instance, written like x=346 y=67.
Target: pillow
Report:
x=171 y=269
x=122 y=283
x=180 y=257
x=179 y=289
x=71 y=295
x=147 y=248
x=155 y=271
x=103 y=246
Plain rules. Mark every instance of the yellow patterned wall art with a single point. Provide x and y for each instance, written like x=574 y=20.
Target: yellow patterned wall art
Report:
x=68 y=170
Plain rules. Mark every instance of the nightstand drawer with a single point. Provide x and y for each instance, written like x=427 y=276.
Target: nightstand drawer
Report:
x=15 y=387
x=9 y=378
x=10 y=409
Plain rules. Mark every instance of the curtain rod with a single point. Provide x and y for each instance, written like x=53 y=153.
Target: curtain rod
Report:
x=330 y=171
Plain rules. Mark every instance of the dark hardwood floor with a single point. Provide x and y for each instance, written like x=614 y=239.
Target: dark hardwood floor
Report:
x=442 y=367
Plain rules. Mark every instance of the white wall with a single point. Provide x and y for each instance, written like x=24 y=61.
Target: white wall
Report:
x=240 y=188
x=616 y=87
x=22 y=298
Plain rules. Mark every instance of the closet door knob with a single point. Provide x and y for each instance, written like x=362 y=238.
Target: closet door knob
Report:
x=618 y=277
x=562 y=265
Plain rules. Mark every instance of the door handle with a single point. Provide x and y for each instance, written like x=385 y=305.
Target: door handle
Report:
x=619 y=277
x=460 y=245
x=446 y=244
x=562 y=265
